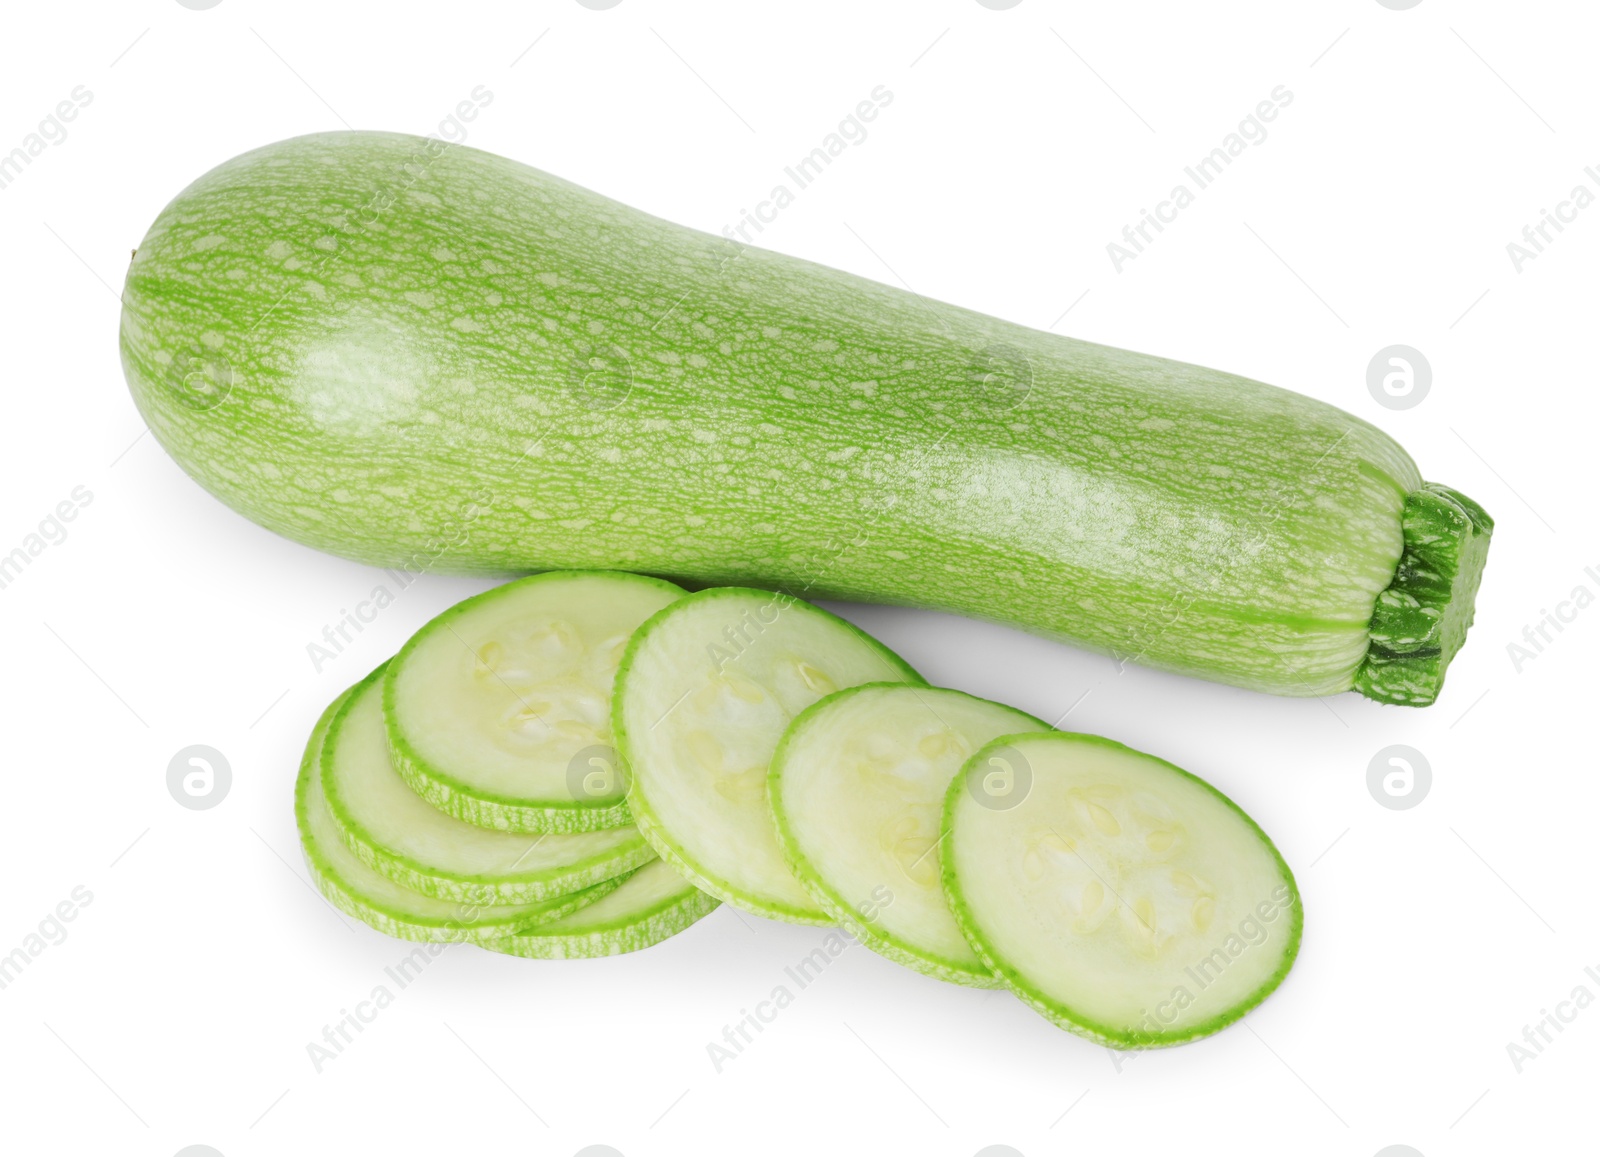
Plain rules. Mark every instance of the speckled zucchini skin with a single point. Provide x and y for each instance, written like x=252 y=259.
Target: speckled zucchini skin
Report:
x=427 y=356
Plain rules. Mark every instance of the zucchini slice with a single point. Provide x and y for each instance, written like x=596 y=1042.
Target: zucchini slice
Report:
x=857 y=788
x=397 y=833
x=655 y=903
x=706 y=689
x=374 y=899
x=1123 y=898
x=499 y=710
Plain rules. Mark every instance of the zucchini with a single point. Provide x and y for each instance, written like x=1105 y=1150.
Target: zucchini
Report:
x=398 y=834
x=653 y=904
x=499 y=710
x=1123 y=898
x=706 y=688
x=425 y=356
x=857 y=790
x=374 y=899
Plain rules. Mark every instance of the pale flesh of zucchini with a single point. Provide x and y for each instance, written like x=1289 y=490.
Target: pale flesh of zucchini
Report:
x=396 y=832
x=654 y=903
x=499 y=710
x=705 y=692
x=1123 y=898
x=857 y=790
x=376 y=900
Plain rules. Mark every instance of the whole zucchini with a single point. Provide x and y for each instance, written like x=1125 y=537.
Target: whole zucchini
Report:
x=430 y=357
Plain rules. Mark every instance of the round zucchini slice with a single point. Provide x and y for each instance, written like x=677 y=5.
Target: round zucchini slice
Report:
x=706 y=688
x=397 y=833
x=499 y=710
x=1123 y=898
x=374 y=899
x=654 y=903
x=857 y=788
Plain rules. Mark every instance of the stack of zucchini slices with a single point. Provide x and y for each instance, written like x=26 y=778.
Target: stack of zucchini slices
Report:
x=469 y=790
x=582 y=763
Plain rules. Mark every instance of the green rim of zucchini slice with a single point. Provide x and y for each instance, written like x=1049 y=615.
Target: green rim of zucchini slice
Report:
x=499 y=710
x=374 y=899
x=706 y=688
x=653 y=904
x=857 y=791
x=396 y=832
x=1123 y=898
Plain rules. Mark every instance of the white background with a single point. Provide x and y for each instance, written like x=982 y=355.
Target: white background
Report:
x=178 y=1008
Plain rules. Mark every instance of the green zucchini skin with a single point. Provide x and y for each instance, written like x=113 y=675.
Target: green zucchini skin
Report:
x=641 y=913
x=430 y=357
x=486 y=811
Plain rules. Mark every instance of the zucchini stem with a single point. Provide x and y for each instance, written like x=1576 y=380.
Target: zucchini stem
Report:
x=1420 y=622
